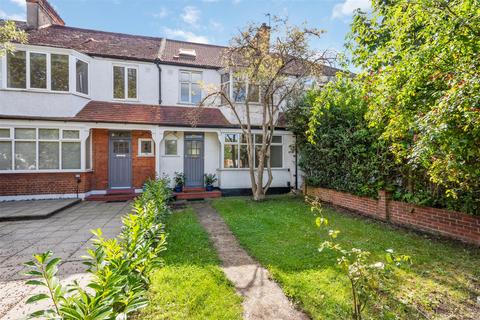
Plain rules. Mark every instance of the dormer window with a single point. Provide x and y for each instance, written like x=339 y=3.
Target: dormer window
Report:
x=124 y=82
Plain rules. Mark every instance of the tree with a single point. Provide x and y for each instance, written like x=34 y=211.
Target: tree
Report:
x=275 y=71
x=422 y=85
x=8 y=34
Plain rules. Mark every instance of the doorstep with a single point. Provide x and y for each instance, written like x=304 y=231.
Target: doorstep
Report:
x=197 y=194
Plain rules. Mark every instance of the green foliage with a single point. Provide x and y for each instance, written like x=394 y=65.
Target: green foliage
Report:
x=210 y=179
x=280 y=235
x=179 y=179
x=120 y=266
x=339 y=149
x=366 y=278
x=191 y=284
x=8 y=34
x=422 y=87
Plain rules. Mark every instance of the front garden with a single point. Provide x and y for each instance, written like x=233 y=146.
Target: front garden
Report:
x=280 y=233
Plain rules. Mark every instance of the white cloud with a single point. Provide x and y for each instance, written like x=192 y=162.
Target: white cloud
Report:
x=347 y=7
x=190 y=15
x=185 y=35
x=215 y=25
x=162 y=13
x=14 y=16
x=20 y=3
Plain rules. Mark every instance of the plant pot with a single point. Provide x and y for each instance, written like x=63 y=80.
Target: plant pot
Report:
x=209 y=188
x=178 y=188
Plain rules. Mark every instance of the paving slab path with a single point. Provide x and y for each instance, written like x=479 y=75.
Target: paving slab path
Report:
x=263 y=298
x=67 y=234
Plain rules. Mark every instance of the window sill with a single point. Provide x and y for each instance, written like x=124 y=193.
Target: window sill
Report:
x=36 y=90
x=171 y=156
x=45 y=171
x=145 y=155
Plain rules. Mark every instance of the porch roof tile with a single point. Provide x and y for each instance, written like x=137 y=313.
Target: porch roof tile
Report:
x=101 y=111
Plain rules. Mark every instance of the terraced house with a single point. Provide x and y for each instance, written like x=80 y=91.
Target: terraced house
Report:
x=85 y=112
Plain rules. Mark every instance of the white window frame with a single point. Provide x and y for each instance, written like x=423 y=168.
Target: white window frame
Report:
x=239 y=144
x=231 y=83
x=28 y=87
x=165 y=148
x=140 y=153
x=189 y=86
x=60 y=140
x=125 y=84
x=74 y=89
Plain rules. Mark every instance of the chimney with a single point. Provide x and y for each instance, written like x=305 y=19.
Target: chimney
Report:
x=263 y=37
x=41 y=14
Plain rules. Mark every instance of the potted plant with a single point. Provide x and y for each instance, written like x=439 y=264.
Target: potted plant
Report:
x=179 y=180
x=210 y=179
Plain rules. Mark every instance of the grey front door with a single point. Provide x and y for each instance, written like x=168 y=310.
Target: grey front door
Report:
x=120 y=160
x=193 y=159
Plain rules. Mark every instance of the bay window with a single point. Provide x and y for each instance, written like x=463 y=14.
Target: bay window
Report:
x=124 y=82
x=17 y=70
x=190 y=90
x=38 y=68
x=81 y=72
x=239 y=89
x=39 y=149
x=235 y=151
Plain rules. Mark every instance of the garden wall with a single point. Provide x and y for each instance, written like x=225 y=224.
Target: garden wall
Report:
x=451 y=224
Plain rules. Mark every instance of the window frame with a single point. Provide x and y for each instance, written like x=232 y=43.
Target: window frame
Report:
x=180 y=82
x=125 y=81
x=48 y=88
x=75 y=77
x=37 y=141
x=139 y=146
x=231 y=84
x=239 y=145
x=165 y=154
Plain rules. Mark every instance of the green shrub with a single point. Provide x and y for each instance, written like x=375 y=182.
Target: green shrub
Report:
x=120 y=266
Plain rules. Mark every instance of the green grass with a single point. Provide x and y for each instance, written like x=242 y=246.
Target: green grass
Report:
x=191 y=285
x=280 y=233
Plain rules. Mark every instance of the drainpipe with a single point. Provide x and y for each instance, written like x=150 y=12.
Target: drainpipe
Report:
x=296 y=164
x=157 y=63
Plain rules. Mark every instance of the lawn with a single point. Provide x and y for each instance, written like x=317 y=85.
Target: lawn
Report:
x=191 y=285
x=442 y=283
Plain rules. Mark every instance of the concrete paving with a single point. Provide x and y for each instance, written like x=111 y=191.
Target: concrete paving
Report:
x=67 y=234
x=33 y=209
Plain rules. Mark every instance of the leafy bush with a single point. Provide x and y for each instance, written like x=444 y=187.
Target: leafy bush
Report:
x=340 y=150
x=120 y=266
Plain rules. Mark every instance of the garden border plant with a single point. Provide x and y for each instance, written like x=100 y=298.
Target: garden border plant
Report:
x=120 y=267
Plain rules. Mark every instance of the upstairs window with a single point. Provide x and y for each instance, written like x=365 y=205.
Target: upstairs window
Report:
x=40 y=68
x=190 y=91
x=17 y=70
x=82 y=76
x=238 y=89
x=60 y=73
x=124 y=82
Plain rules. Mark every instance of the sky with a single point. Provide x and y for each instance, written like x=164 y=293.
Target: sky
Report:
x=205 y=21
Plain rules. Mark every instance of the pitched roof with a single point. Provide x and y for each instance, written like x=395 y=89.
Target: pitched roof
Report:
x=97 y=43
x=207 y=55
x=100 y=111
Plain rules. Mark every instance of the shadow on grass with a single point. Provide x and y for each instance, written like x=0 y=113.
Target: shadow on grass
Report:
x=190 y=285
x=280 y=233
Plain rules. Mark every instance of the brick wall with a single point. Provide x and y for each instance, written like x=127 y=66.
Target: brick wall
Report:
x=451 y=224
x=13 y=184
x=143 y=167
